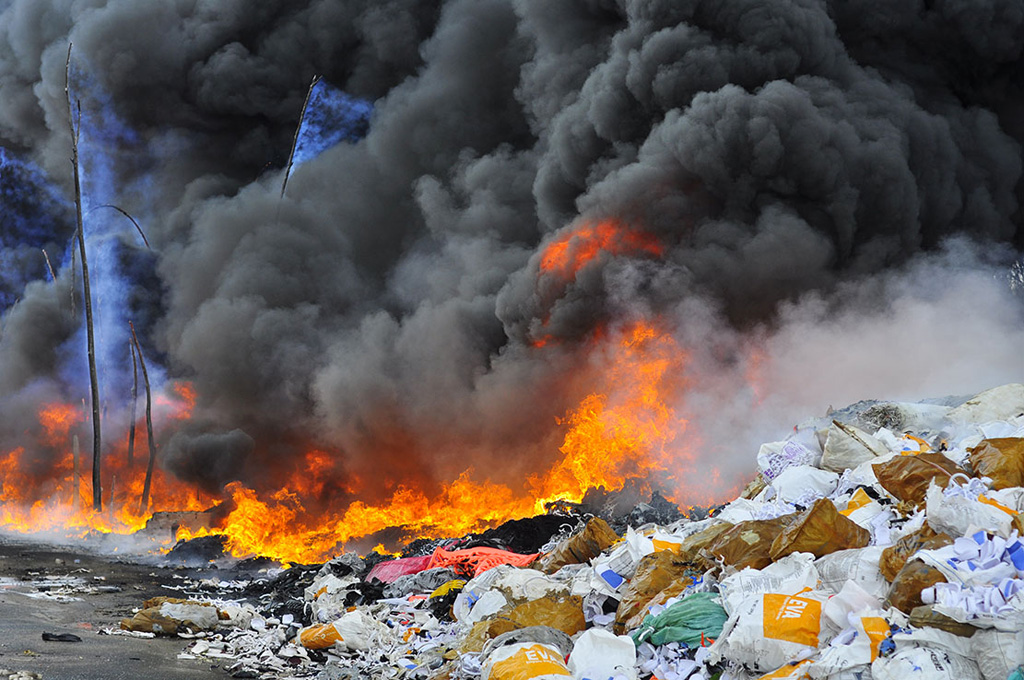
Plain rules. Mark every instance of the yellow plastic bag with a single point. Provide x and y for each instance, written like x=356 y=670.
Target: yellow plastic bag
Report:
x=655 y=573
x=691 y=546
x=907 y=477
x=321 y=636
x=561 y=612
x=896 y=555
x=1000 y=459
x=915 y=576
x=748 y=544
x=353 y=631
x=819 y=530
x=595 y=538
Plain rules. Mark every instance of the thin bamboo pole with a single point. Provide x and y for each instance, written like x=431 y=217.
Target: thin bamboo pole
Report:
x=295 y=138
x=135 y=400
x=144 y=505
x=94 y=385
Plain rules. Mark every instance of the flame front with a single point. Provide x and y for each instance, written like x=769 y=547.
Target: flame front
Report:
x=627 y=428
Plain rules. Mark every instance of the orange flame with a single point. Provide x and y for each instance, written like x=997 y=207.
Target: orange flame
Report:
x=40 y=490
x=627 y=428
x=631 y=429
x=569 y=253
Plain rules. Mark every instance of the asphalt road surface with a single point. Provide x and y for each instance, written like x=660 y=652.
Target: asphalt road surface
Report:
x=34 y=598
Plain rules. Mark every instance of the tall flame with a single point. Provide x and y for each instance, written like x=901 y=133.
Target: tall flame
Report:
x=630 y=430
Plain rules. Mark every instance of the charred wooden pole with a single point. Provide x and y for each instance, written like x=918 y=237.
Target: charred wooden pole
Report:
x=295 y=139
x=75 y=500
x=49 y=267
x=144 y=505
x=94 y=385
x=135 y=400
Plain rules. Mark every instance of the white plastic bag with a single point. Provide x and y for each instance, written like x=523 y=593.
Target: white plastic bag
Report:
x=790 y=575
x=998 y=652
x=771 y=630
x=804 y=483
x=353 y=631
x=525 y=661
x=599 y=655
x=857 y=564
x=840 y=611
x=924 y=663
x=966 y=504
x=774 y=457
x=999 y=403
x=847 y=447
x=615 y=568
x=855 y=649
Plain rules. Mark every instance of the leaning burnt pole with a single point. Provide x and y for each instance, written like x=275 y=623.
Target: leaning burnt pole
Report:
x=94 y=385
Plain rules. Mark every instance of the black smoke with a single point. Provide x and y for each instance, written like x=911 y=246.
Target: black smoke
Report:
x=783 y=153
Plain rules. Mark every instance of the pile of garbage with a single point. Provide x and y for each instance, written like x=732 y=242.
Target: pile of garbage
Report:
x=884 y=541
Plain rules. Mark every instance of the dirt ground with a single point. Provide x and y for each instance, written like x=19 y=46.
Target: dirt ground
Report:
x=32 y=603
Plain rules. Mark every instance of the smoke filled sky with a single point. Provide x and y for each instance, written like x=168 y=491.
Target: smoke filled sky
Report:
x=832 y=189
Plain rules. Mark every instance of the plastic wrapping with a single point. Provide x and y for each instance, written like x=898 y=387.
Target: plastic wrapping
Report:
x=596 y=537
x=819 y=530
x=695 y=618
x=915 y=576
x=907 y=477
x=1002 y=460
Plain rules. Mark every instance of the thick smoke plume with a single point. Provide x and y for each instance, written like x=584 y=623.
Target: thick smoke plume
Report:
x=834 y=189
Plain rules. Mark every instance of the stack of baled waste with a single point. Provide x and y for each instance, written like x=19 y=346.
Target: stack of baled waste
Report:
x=883 y=541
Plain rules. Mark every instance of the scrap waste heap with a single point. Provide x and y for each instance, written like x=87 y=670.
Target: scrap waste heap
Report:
x=883 y=541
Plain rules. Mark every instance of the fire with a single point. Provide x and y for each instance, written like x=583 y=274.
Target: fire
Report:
x=44 y=488
x=631 y=430
x=627 y=428
x=569 y=253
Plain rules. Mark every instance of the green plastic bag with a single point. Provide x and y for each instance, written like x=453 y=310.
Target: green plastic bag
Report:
x=693 y=619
